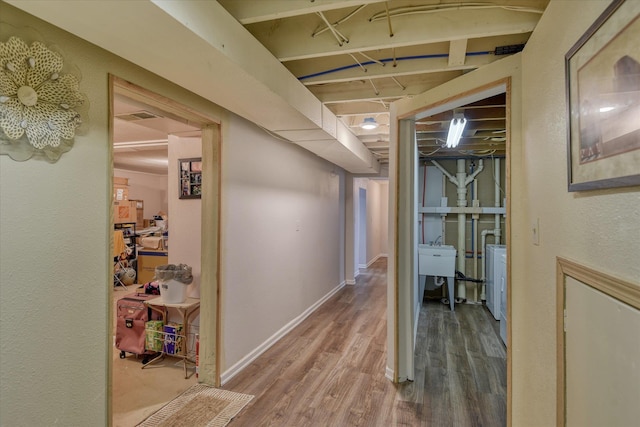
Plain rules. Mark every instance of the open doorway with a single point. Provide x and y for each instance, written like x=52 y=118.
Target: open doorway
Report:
x=361 y=242
x=421 y=145
x=150 y=135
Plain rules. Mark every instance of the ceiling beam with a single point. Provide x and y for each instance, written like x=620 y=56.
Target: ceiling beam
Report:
x=387 y=88
x=405 y=67
x=290 y=40
x=489 y=113
x=225 y=64
x=457 y=52
x=252 y=11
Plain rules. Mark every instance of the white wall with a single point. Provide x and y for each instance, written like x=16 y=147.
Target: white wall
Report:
x=374 y=223
x=185 y=215
x=148 y=187
x=282 y=220
x=377 y=213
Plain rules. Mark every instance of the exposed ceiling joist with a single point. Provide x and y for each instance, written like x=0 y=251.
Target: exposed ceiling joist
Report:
x=248 y=12
x=290 y=39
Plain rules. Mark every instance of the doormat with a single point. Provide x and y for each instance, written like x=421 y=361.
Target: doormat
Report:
x=200 y=405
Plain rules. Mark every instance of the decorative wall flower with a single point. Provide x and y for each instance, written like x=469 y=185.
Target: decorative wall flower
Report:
x=36 y=98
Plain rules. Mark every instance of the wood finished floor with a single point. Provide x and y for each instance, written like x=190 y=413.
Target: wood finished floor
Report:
x=329 y=371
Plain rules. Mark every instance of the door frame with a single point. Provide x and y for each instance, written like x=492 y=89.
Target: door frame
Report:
x=210 y=312
x=399 y=312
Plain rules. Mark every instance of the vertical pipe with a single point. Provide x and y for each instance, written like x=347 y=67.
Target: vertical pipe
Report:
x=474 y=228
x=444 y=216
x=461 y=176
x=497 y=199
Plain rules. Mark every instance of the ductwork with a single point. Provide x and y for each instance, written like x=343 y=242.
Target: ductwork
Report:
x=201 y=47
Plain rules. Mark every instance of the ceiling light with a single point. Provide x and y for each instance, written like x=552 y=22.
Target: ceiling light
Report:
x=369 y=123
x=455 y=130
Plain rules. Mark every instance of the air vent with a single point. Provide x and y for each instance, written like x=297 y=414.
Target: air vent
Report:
x=138 y=115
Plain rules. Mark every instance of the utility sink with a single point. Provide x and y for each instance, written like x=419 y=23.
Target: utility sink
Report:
x=438 y=261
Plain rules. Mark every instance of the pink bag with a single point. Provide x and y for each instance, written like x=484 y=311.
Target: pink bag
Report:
x=132 y=315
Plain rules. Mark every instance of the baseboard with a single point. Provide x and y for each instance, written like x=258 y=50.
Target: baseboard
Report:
x=356 y=273
x=350 y=282
x=415 y=326
x=245 y=361
x=377 y=257
x=389 y=374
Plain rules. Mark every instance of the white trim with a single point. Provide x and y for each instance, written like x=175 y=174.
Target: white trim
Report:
x=415 y=326
x=363 y=265
x=350 y=282
x=356 y=273
x=389 y=374
x=245 y=361
x=374 y=260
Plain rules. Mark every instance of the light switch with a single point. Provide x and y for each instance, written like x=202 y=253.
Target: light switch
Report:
x=535 y=232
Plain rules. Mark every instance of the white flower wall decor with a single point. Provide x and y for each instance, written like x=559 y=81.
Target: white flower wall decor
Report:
x=38 y=102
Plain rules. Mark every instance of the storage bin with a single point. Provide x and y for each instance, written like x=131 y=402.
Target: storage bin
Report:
x=173 y=281
x=173 y=292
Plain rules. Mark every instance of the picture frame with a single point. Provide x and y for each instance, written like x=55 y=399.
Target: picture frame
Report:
x=603 y=101
x=190 y=178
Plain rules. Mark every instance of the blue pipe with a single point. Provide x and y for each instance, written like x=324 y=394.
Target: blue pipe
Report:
x=402 y=58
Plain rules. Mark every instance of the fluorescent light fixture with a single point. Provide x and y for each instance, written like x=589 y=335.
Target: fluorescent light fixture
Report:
x=607 y=109
x=455 y=130
x=369 y=123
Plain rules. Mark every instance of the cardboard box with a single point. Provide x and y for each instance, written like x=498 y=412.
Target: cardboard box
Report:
x=154 y=336
x=117 y=180
x=124 y=211
x=147 y=263
x=173 y=338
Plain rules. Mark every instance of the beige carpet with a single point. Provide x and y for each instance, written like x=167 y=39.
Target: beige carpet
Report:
x=200 y=405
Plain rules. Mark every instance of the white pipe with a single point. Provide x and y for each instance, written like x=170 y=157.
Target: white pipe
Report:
x=461 y=180
x=474 y=223
x=483 y=292
x=497 y=198
x=444 y=171
x=444 y=216
x=461 y=177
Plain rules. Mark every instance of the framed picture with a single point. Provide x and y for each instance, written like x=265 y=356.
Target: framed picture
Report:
x=190 y=175
x=603 y=101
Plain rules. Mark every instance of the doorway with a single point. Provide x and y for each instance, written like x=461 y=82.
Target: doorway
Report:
x=405 y=283
x=362 y=229
x=188 y=127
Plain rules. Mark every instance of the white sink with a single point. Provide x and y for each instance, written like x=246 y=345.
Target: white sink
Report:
x=437 y=260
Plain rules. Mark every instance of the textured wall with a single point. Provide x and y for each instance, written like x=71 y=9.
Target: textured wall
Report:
x=599 y=228
x=55 y=254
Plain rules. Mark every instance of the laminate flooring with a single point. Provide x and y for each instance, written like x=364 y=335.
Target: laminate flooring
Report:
x=329 y=371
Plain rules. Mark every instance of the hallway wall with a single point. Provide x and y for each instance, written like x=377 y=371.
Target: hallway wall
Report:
x=377 y=212
x=282 y=237
x=55 y=256
x=596 y=228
